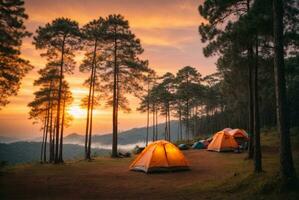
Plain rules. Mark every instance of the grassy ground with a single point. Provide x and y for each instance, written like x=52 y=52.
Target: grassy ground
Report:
x=212 y=176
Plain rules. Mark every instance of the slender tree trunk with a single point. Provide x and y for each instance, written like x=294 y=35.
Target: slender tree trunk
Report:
x=166 y=127
x=157 y=134
x=117 y=102
x=51 y=143
x=195 y=121
x=91 y=116
x=154 y=129
x=88 y=114
x=287 y=170
x=250 y=104
x=59 y=100
x=46 y=132
x=250 y=96
x=90 y=105
x=48 y=121
x=54 y=140
x=169 y=128
x=257 y=145
x=46 y=138
x=91 y=83
x=181 y=127
x=62 y=129
x=187 y=121
x=114 y=116
x=43 y=142
x=147 y=113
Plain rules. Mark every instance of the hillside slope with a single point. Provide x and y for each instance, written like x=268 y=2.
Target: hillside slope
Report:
x=131 y=136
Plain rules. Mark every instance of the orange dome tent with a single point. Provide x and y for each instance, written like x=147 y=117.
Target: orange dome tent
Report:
x=223 y=141
x=160 y=156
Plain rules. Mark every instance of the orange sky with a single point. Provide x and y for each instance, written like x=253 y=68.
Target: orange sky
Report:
x=168 y=33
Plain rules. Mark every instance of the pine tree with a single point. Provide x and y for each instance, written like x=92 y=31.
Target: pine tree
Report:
x=146 y=104
x=94 y=43
x=287 y=170
x=218 y=13
x=124 y=71
x=45 y=102
x=187 y=80
x=60 y=39
x=12 y=30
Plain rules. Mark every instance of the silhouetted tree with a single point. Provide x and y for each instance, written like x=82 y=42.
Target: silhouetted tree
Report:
x=45 y=102
x=94 y=44
x=60 y=39
x=123 y=70
x=287 y=170
x=12 y=30
x=187 y=80
x=146 y=101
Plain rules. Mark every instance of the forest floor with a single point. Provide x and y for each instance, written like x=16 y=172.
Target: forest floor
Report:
x=212 y=176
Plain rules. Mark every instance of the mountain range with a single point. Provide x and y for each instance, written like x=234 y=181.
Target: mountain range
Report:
x=13 y=150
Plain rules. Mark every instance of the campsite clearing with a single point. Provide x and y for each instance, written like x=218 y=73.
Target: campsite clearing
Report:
x=212 y=176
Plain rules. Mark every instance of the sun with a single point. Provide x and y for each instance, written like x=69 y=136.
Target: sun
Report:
x=77 y=111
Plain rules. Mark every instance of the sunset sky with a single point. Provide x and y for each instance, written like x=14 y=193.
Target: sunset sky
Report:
x=168 y=30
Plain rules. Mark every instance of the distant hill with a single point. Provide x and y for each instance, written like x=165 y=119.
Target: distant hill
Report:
x=22 y=152
x=131 y=136
x=29 y=150
x=7 y=139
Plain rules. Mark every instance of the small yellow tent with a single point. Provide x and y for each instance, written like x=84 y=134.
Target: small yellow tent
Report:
x=223 y=141
x=160 y=156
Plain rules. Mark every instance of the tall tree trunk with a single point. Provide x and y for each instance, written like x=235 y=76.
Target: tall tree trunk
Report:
x=250 y=104
x=195 y=121
x=46 y=132
x=181 y=127
x=114 y=116
x=250 y=96
x=43 y=141
x=59 y=100
x=88 y=115
x=51 y=143
x=187 y=121
x=147 y=113
x=166 y=126
x=54 y=140
x=91 y=89
x=62 y=129
x=169 y=128
x=257 y=156
x=157 y=134
x=154 y=125
x=287 y=170
x=46 y=138
x=117 y=103
x=91 y=116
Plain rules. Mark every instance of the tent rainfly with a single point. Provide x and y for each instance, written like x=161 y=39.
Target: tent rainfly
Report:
x=160 y=156
x=223 y=141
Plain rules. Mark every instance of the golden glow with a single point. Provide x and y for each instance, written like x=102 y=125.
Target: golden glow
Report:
x=77 y=112
x=168 y=33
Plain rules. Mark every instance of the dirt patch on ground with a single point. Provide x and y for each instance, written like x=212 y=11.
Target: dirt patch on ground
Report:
x=107 y=178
